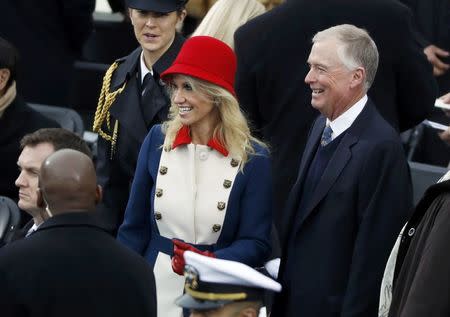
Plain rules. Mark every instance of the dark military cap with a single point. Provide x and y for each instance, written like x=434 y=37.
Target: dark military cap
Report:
x=162 y=6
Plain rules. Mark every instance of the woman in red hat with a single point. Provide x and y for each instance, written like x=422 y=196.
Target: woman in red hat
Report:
x=202 y=182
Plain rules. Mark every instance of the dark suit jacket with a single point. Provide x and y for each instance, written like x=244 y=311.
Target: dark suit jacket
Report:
x=18 y=233
x=49 y=35
x=19 y=119
x=337 y=249
x=115 y=173
x=272 y=51
x=71 y=267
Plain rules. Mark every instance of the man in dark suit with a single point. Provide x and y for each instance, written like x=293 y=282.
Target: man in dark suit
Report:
x=50 y=35
x=353 y=191
x=271 y=51
x=36 y=147
x=16 y=119
x=70 y=266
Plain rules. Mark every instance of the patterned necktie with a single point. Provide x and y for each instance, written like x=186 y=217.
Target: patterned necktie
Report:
x=326 y=135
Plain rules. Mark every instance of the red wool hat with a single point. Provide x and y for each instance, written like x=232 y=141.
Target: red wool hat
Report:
x=205 y=58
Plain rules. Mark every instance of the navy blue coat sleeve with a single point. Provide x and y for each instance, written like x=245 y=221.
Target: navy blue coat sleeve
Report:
x=135 y=232
x=251 y=244
x=383 y=205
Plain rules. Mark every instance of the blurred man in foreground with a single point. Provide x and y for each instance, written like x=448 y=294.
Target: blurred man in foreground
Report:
x=70 y=266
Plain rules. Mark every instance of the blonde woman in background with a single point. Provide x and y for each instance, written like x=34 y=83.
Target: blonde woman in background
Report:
x=226 y=16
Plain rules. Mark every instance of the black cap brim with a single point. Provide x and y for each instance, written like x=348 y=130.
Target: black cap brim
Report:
x=188 y=302
x=161 y=6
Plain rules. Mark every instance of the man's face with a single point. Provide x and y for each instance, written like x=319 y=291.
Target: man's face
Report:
x=29 y=164
x=329 y=80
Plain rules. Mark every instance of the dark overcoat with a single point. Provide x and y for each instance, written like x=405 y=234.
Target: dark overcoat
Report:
x=422 y=272
x=272 y=51
x=71 y=267
x=136 y=116
x=339 y=243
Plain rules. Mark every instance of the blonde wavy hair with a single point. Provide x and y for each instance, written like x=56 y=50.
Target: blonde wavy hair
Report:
x=232 y=131
x=226 y=16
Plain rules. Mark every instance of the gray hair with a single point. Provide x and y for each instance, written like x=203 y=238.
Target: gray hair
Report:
x=357 y=48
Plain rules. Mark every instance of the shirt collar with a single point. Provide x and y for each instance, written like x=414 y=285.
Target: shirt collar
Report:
x=345 y=120
x=144 y=68
x=183 y=137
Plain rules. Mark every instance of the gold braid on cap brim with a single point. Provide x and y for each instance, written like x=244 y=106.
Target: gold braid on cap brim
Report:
x=214 y=296
x=105 y=101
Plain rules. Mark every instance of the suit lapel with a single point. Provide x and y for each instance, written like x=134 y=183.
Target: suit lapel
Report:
x=334 y=168
x=296 y=191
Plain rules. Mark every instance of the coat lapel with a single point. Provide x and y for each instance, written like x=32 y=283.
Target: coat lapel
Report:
x=127 y=108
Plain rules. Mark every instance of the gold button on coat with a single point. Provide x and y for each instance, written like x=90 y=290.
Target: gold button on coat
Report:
x=159 y=192
x=234 y=162
x=221 y=205
x=158 y=216
x=227 y=183
x=216 y=228
x=163 y=170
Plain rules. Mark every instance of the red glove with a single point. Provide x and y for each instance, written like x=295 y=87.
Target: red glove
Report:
x=179 y=247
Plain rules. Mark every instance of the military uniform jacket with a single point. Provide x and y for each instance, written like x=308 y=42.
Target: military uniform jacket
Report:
x=136 y=116
x=196 y=194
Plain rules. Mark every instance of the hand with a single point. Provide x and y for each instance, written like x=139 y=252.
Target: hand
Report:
x=445 y=136
x=178 y=263
x=446 y=99
x=433 y=54
x=179 y=247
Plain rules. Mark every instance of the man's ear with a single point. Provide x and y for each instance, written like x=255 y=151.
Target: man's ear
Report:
x=249 y=312
x=359 y=76
x=5 y=74
x=98 y=194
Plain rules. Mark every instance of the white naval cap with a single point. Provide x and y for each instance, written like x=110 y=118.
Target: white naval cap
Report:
x=212 y=283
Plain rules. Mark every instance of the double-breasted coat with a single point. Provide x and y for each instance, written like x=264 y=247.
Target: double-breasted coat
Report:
x=339 y=241
x=196 y=193
x=135 y=116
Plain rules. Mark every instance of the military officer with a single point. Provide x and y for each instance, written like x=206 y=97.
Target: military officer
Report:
x=221 y=288
x=133 y=99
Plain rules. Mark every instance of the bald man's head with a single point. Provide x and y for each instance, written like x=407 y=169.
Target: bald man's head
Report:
x=68 y=183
